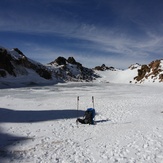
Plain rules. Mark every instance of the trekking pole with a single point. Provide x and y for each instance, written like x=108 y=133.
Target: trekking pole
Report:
x=93 y=101
x=77 y=109
x=93 y=108
x=77 y=105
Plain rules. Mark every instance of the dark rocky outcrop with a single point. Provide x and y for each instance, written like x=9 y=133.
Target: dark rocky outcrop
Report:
x=6 y=63
x=2 y=73
x=71 y=70
x=71 y=60
x=10 y=63
x=103 y=67
x=15 y=63
x=60 y=61
x=150 y=71
x=142 y=72
x=161 y=77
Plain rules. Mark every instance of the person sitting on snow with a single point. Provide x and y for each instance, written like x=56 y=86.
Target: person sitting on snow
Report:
x=88 y=117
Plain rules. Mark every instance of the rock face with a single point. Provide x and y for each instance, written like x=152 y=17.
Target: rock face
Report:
x=103 y=67
x=15 y=63
x=150 y=72
x=71 y=70
x=5 y=63
x=60 y=61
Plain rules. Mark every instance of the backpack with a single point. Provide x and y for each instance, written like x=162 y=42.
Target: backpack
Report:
x=89 y=116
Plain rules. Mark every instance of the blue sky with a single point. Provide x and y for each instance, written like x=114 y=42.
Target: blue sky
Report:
x=114 y=32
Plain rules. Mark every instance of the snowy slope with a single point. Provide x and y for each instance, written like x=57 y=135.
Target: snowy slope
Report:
x=135 y=74
x=37 y=124
x=118 y=76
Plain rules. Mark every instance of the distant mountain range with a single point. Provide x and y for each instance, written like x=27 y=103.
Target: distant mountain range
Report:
x=16 y=69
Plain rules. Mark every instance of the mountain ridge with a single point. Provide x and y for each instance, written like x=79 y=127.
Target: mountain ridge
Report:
x=16 y=68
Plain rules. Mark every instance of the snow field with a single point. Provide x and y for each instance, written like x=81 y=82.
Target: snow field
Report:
x=128 y=130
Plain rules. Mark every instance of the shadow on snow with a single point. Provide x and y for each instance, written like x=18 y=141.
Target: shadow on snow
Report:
x=103 y=120
x=6 y=141
x=29 y=116
x=25 y=116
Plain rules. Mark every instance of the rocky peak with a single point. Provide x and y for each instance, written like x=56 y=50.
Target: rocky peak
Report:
x=71 y=70
x=134 y=66
x=5 y=63
x=103 y=67
x=19 y=52
x=60 y=61
x=71 y=60
x=14 y=63
x=152 y=71
x=63 y=61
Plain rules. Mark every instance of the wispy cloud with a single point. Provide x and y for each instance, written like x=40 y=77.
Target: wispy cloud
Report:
x=103 y=40
x=110 y=43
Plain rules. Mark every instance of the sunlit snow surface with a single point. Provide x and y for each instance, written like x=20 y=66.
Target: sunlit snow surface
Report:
x=37 y=124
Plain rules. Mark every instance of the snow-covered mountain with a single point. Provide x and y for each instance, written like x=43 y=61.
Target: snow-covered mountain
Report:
x=70 y=70
x=15 y=63
x=18 y=70
x=136 y=73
